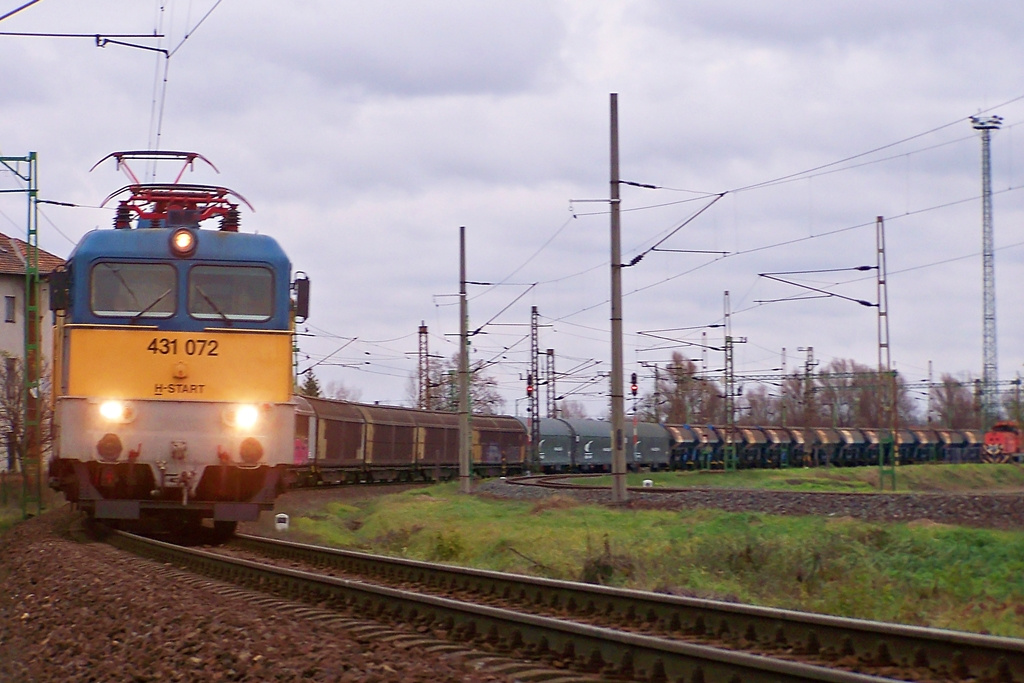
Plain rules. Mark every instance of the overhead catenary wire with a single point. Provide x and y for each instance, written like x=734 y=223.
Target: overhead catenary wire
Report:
x=636 y=259
x=838 y=166
x=778 y=244
x=99 y=37
x=777 y=180
x=168 y=53
x=18 y=9
x=829 y=168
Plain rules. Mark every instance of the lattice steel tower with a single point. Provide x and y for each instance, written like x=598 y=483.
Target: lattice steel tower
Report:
x=26 y=172
x=533 y=412
x=730 y=389
x=424 y=402
x=990 y=372
x=550 y=384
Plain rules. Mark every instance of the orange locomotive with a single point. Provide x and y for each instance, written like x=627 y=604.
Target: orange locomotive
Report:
x=1003 y=442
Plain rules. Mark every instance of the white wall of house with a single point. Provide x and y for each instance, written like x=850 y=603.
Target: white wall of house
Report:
x=12 y=305
x=12 y=329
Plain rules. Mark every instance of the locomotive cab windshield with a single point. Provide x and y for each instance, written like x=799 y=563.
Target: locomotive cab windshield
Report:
x=137 y=290
x=141 y=291
x=231 y=293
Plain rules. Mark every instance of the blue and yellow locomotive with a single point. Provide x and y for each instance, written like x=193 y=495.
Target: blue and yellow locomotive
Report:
x=173 y=360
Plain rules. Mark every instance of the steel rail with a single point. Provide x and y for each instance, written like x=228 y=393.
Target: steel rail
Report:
x=562 y=482
x=957 y=653
x=592 y=649
x=558 y=482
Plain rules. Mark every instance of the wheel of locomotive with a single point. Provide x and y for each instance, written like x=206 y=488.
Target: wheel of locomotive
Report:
x=224 y=530
x=98 y=527
x=184 y=526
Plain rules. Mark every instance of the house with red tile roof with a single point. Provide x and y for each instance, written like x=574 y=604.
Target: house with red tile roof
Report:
x=13 y=260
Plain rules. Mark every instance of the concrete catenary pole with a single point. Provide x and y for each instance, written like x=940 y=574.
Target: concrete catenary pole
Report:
x=465 y=482
x=619 y=493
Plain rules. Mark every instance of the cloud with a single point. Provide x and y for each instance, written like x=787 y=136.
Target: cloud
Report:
x=366 y=134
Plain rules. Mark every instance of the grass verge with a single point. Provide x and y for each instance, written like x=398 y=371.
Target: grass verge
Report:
x=925 y=574
x=11 y=511
x=920 y=478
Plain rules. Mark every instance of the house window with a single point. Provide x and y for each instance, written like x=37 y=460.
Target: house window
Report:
x=12 y=381
x=9 y=309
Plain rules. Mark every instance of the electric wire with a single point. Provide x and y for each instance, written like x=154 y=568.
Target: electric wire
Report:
x=167 y=65
x=18 y=9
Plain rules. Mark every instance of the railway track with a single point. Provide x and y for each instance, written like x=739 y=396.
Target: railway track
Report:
x=571 y=481
x=628 y=635
x=981 y=509
x=574 y=482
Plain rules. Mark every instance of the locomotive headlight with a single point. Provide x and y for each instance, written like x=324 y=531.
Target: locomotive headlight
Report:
x=244 y=417
x=183 y=242
x=116 y=411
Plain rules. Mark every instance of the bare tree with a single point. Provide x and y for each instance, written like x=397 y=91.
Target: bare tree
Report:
x=688 y=397
x=572 y=409
x=761 y=406
x=955 y=405
x=484 y=398
x=12 y=410
x=1012 y=403
x=851 y=394
x=798 y=405
x=910 y=413
x=338 y=390
x=839 y=388
x=844 y=394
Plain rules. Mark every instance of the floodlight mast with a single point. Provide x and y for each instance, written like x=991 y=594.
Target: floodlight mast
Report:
x=990 y=371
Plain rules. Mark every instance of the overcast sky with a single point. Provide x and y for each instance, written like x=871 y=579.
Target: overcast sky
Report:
x=365 y=134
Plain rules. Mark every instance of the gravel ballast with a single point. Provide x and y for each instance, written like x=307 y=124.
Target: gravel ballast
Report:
x=77 y=610
x=83 y=611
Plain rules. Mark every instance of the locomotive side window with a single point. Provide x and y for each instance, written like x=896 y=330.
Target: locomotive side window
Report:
x=231 y=293
x=138 y=290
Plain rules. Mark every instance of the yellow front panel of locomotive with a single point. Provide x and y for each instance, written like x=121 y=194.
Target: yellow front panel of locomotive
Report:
x=212 y=365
